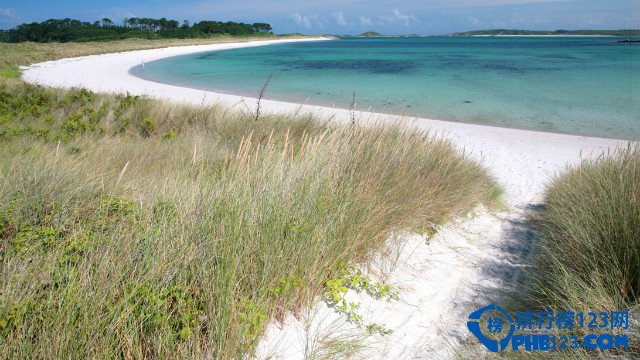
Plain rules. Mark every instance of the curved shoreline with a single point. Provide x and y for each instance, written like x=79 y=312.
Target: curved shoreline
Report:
x=522 y=160
x=370 y=111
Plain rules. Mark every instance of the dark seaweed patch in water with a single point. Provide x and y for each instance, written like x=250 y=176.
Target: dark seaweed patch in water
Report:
x=372 y=66
x=455 y=63
x=516 y=69
x=207 y=56
x=504 y=68
x=558 y=56
x=507 y=67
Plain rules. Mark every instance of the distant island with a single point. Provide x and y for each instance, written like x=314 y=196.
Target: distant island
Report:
x=511 y=32
x=498 y=32
x=370 y=34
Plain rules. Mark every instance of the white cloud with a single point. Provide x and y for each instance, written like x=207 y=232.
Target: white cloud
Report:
x=8 y=17
x=593 y=19
x=473 y=20
x=301 y=20
x=399 y=18
x=365 y=21
x=340 y=19
x=7 y=13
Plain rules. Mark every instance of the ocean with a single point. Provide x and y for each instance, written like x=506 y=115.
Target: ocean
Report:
x=576 y=85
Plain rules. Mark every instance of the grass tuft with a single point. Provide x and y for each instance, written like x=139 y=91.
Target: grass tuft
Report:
x=10 y=73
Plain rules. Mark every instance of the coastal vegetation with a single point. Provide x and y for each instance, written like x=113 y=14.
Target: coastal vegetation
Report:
x=589 y=231
x=589 y=238
x=628 y=32
x=66 y=30
x=146 y=229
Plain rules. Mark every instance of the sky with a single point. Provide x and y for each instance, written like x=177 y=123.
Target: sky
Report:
x=347 y=16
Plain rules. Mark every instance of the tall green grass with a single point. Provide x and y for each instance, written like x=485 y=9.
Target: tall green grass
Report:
x=588 y=256
x=590 y=235
x=133 y=228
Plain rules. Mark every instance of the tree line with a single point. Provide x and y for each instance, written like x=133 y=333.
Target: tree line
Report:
x=66 y=30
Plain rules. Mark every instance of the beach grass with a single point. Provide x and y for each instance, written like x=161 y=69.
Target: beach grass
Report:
x=136 y=228
x=588 y=250
x=589 y=232
x=587 y=255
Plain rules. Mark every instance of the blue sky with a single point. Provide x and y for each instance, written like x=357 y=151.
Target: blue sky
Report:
x=347 y=16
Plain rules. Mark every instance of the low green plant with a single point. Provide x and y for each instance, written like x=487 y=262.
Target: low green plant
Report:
x=170 y=134
x=148 y=126
x=174 y=308
x=251 y=319
x=14 y=315
x=10 y=73
x=378 y=329
x=352 y=277
x=428 y=231
x=287 y=284
x=29 y=236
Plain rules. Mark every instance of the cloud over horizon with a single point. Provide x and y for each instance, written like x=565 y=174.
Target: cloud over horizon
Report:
x=300 y=20
x=399 y=18
x=340 y=19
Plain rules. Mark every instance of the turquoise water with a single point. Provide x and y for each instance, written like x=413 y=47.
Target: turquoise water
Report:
x=586 y=85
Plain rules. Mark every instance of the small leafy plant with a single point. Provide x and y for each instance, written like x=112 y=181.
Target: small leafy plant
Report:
x=428 y=231
x=252 y=318
x=175 y=308
x=352 y=277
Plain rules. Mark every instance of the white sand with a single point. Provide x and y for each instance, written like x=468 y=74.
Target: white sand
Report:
x=441 y=281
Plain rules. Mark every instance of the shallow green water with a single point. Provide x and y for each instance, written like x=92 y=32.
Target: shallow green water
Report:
x=577 y=85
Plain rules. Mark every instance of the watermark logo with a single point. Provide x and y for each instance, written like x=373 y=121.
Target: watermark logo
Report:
x=538 y=331
x=495 y=325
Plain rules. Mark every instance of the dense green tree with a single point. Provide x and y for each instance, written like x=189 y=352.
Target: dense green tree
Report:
x=107 y=22
x=64 y=30
x=262 y=27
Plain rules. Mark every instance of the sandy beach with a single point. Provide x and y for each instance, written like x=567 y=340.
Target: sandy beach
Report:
x=441 y=280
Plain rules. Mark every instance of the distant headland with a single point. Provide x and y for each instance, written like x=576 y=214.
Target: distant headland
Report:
x=506 y=32
x=510 y=32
